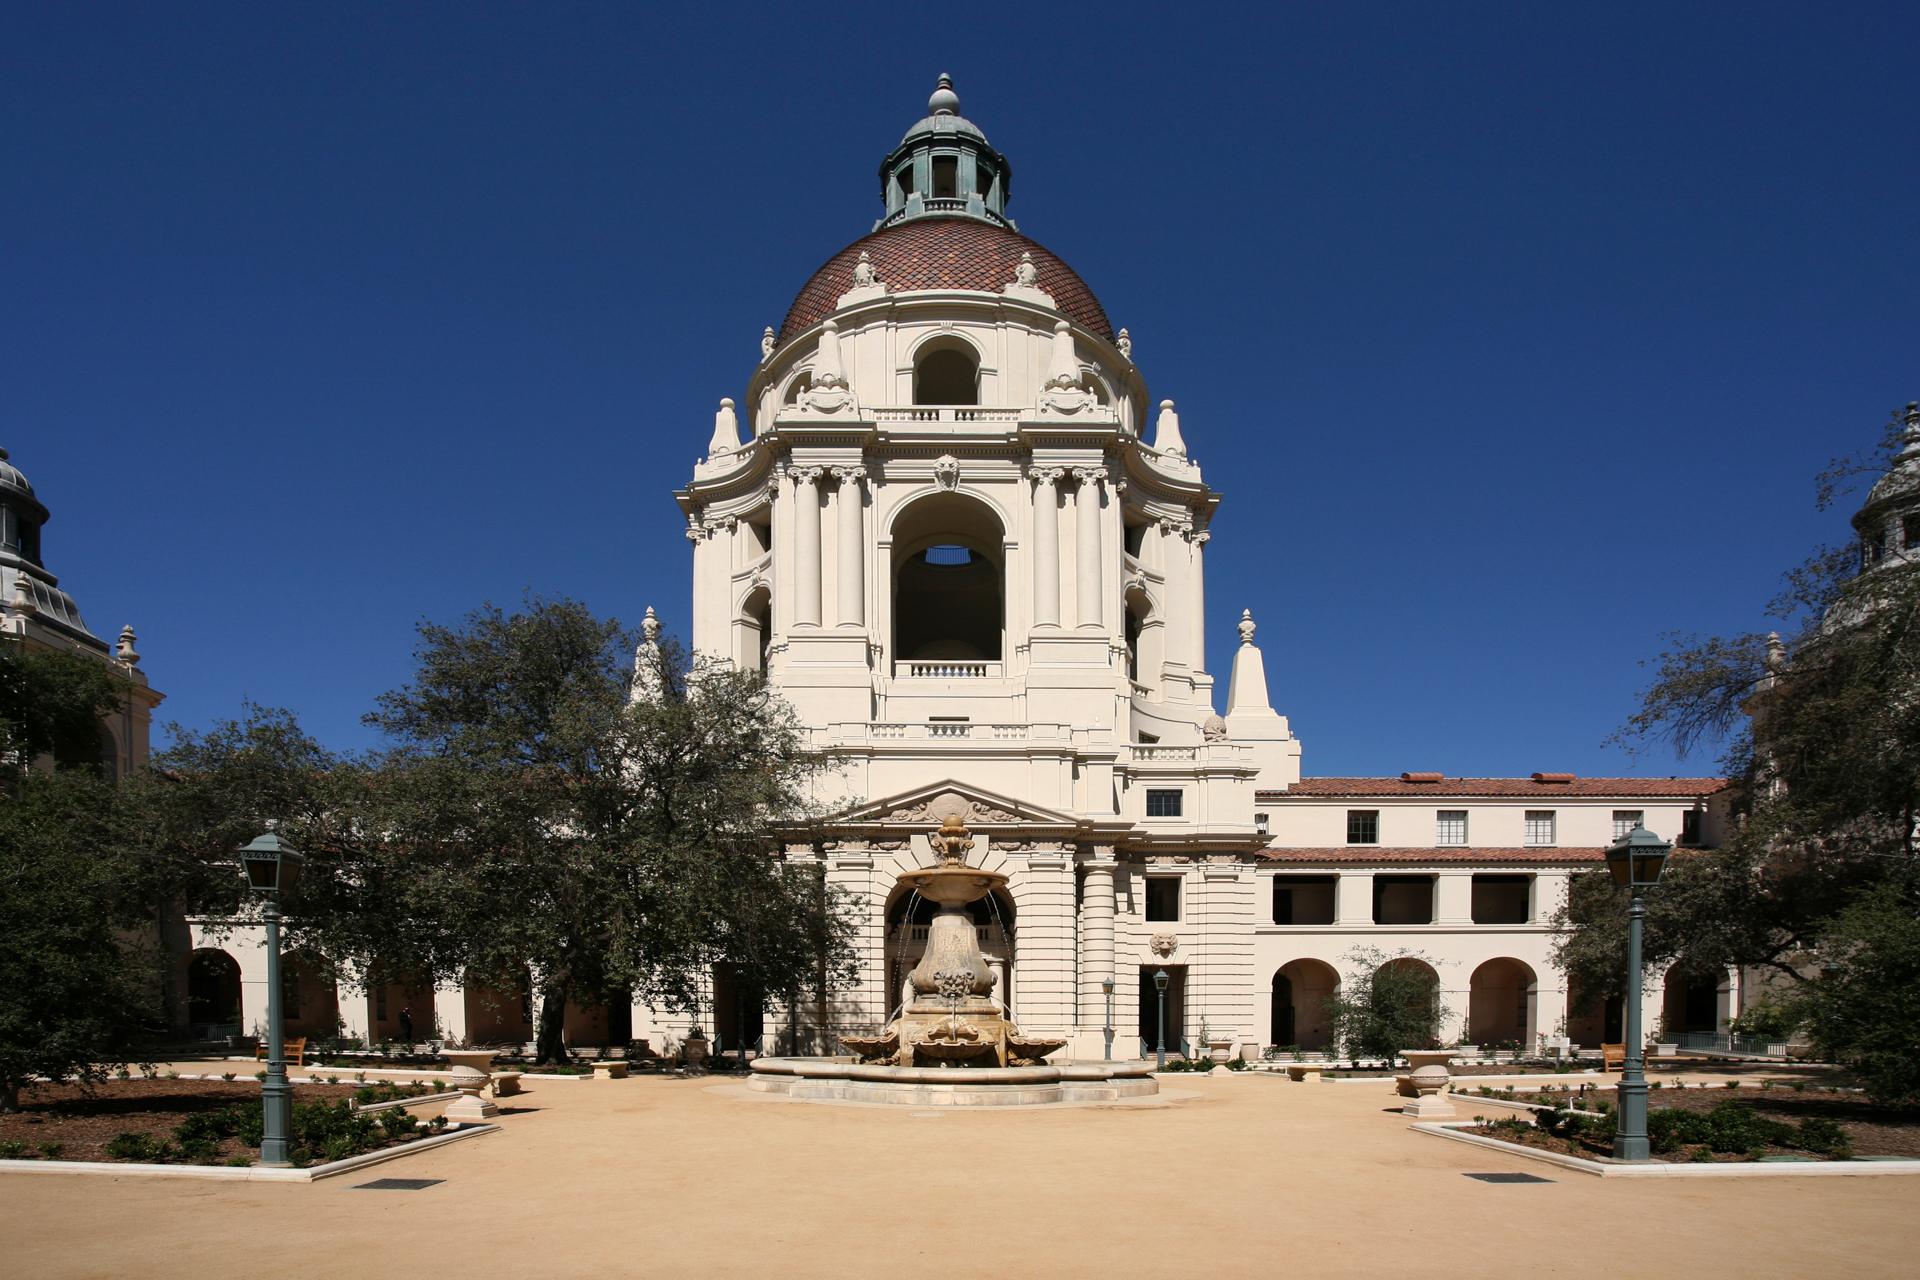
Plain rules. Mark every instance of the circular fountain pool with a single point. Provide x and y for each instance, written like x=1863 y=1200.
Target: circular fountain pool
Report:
x=827 y=1080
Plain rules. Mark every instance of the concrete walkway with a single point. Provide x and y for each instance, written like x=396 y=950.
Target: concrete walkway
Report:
x=1247 y=1177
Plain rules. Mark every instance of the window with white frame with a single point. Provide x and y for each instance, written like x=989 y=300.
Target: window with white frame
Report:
x=1625 y=820
x=1540 y=827
x=1450 y=827
x=1163 y=802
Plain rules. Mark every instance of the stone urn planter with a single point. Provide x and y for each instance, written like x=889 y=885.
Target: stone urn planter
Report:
x=1220 y=1048
x=472 y=1069
x=1466 y=1051
x=1663 y=1050
x=1297 y=1071
x=693 y=1051
x=1416 y=1060
x=1428 y=1087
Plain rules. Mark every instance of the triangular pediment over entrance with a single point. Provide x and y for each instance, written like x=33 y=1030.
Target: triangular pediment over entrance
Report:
x=975 y=806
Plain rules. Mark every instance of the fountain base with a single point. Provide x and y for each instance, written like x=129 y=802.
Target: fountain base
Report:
x=824 y=1080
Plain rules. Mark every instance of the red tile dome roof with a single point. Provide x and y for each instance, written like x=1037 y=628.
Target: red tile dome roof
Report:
x=945 y=253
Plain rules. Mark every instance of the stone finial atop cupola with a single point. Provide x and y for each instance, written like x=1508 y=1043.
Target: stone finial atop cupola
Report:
x=125 y=651
x=647 y=677
x=944 y=167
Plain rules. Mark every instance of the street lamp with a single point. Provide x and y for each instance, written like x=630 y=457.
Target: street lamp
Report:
x=1160 y=1047
x=269 y=862
x=1106 y=985
x=1635 y=862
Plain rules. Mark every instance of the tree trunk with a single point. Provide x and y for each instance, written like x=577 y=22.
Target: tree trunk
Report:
x=9 y=1097
x=549 y=1040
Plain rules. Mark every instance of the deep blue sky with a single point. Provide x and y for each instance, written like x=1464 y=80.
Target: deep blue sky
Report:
x=1513 y=335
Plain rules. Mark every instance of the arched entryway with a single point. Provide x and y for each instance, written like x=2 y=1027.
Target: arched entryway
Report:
x=500 y=1015
x=309 y=1000
x=739 y=1012
x=1501 y=1003
x=1422 y=995
x=1299 y=1013
x=1692 y=1003
x=213 y=994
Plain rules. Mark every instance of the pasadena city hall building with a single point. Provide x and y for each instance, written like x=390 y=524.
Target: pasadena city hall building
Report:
x=970 y=550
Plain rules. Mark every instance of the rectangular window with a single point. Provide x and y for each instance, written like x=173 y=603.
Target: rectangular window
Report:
x=1163 y=803
x=1303 y=899
x=1450 y=827
x=1363 y=826
x=1163 y=899
x=1403 y=899
x=1625 y=820
x=1502 y=899
x=1540 y=827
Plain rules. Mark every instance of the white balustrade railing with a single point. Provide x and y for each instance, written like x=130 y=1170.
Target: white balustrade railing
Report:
x=922 y=669
x=943 y=413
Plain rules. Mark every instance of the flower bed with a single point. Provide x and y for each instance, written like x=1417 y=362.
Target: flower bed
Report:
x=1713 y=1125
x=194 y=1122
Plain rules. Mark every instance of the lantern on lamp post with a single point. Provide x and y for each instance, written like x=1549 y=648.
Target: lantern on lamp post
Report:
x=1635 y=862
x=269 y=863
x=1160 y=1045
x=1106 y=986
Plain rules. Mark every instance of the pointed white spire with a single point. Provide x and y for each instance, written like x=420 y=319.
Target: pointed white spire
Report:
x=1063 y=370
x=1247 y=687
x=827 y=369
x=23 y=602
x=726 y=431
x=125 y=651
x=767 y=339
x=1166 y=432
x=646 y=660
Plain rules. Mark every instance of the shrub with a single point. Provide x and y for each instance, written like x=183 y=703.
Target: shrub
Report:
x=1824 y=1137
x=13 y=1149
x=141 y=1148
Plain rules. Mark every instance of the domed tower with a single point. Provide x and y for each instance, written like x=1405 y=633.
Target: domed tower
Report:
x=934 y=519
x=34 y=611
x=1888 y=523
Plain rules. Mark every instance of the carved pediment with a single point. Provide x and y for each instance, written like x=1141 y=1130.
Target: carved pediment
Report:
x=972 y=805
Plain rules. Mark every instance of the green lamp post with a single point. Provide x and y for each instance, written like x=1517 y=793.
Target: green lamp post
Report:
x=1160 y=980
x=269 y=862
x=1635 y=862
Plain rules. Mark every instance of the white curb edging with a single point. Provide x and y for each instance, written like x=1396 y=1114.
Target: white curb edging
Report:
x=1660 y=1169
x=250 y=1173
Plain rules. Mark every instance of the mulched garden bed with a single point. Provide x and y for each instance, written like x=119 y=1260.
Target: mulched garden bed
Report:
x=1473 y=1069
x=69 y=1122
x=1870 y=1128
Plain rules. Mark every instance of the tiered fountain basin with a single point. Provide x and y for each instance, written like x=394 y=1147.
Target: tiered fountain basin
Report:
x=825 y=1080
x=952 y=1044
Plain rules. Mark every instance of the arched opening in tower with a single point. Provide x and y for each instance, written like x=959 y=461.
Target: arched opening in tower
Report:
x=946 y=375
x=949 y=587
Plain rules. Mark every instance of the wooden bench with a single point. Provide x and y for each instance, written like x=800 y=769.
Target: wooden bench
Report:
x=1611 y=1056
x=295 y=1049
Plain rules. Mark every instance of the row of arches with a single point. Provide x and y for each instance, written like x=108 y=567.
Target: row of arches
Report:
x=1502 y=1000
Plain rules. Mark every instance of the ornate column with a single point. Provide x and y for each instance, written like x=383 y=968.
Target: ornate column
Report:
x=1096 y=936
x=1086 y=507
x=1046 y=546
x=806 y=542
x=853 y=551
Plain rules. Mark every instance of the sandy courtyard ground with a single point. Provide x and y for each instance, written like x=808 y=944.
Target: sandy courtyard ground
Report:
x=1247 y=1176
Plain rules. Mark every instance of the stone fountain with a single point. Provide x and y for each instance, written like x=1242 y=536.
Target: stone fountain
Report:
x=953 y=1043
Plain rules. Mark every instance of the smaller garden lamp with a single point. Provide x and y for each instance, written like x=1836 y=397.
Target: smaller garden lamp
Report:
x=1160 y=981
x=1636 y=859
x=1106 y=987
x=269 y=862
